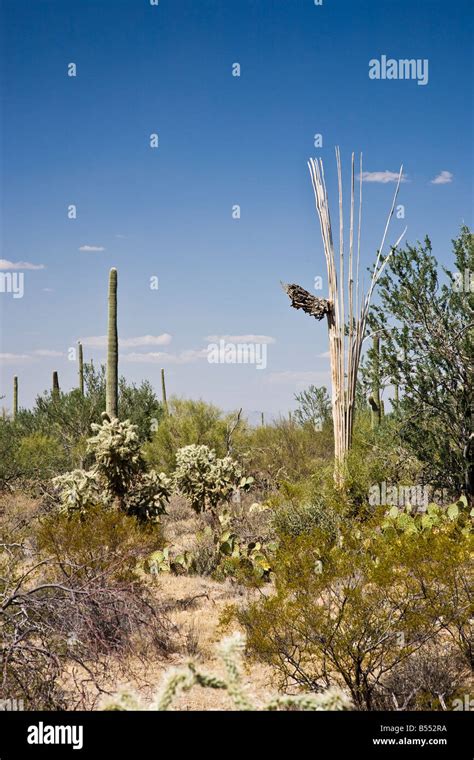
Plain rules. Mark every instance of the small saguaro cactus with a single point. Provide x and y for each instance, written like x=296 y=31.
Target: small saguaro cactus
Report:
x=80 y=359
x=374 y=399
x=15 y=397
x=163 y=392
x=55 y=383
x=111 y=403
x=262 y=419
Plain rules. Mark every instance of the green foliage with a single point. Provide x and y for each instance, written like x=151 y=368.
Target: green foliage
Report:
x=141 y=406
x=9 y=444
x=295 y=517
x=230 y=652
x=205 y=479
x=93 y=543
x=284 y=451
x=246 y=561
x=427 y=350
x=456 y=517
x=158 y=562
x=314 y=407
x=39 y=456
x=188 y=422
x=354 y=611
x=66 y=418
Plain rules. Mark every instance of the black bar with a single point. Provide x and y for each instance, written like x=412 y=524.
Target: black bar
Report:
x=221 y=734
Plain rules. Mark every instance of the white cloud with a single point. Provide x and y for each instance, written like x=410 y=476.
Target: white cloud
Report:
x=324 y=355
x=100 y=341
x=443 y=178
x=91 y=248
x=4 y=264
x=241 y=338
x=382 y=177
x=12 y=358
x=161 y=357
x=146 y=340
x=48 y=352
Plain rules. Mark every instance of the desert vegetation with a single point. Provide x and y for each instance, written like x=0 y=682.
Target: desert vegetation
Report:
x=330 y=549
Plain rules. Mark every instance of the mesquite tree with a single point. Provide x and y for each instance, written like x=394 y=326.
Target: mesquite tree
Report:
x=347 y=306
x=428 y=349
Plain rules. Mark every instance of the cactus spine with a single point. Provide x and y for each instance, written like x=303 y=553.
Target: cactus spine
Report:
x=163 y=392
x=15 y=397
x=111 y=403
x=374 y=399
x=80 y=357
x=55 y=384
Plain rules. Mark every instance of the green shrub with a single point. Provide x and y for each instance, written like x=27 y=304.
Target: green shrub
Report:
x=355 y=611
x=188 y=422
x=290 y=519
x=104 y=539
x=67 y=417
x=284 y=451
x=71 y=598
x=9 y=444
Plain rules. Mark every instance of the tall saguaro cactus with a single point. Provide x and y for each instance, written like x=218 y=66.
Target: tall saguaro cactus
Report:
x=163 y=392
x=15 y=397
x=80 y=359
x=55 y=384
x=111 y=403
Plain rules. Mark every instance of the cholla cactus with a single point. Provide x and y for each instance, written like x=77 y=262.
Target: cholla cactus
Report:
x=119 y=476
x=148 y=495
x=230 y=650
x=205 y=479
x=116 y=449
x=79 y=490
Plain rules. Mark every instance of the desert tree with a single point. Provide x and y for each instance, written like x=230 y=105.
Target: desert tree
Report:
x=427 y=328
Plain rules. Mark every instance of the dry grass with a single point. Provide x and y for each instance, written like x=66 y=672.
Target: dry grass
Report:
x=192 y=604
x=195 y=605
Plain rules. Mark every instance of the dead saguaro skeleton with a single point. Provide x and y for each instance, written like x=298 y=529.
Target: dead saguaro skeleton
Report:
x=347 y=306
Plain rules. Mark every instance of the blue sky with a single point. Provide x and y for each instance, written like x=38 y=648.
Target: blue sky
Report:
x=223 y=140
